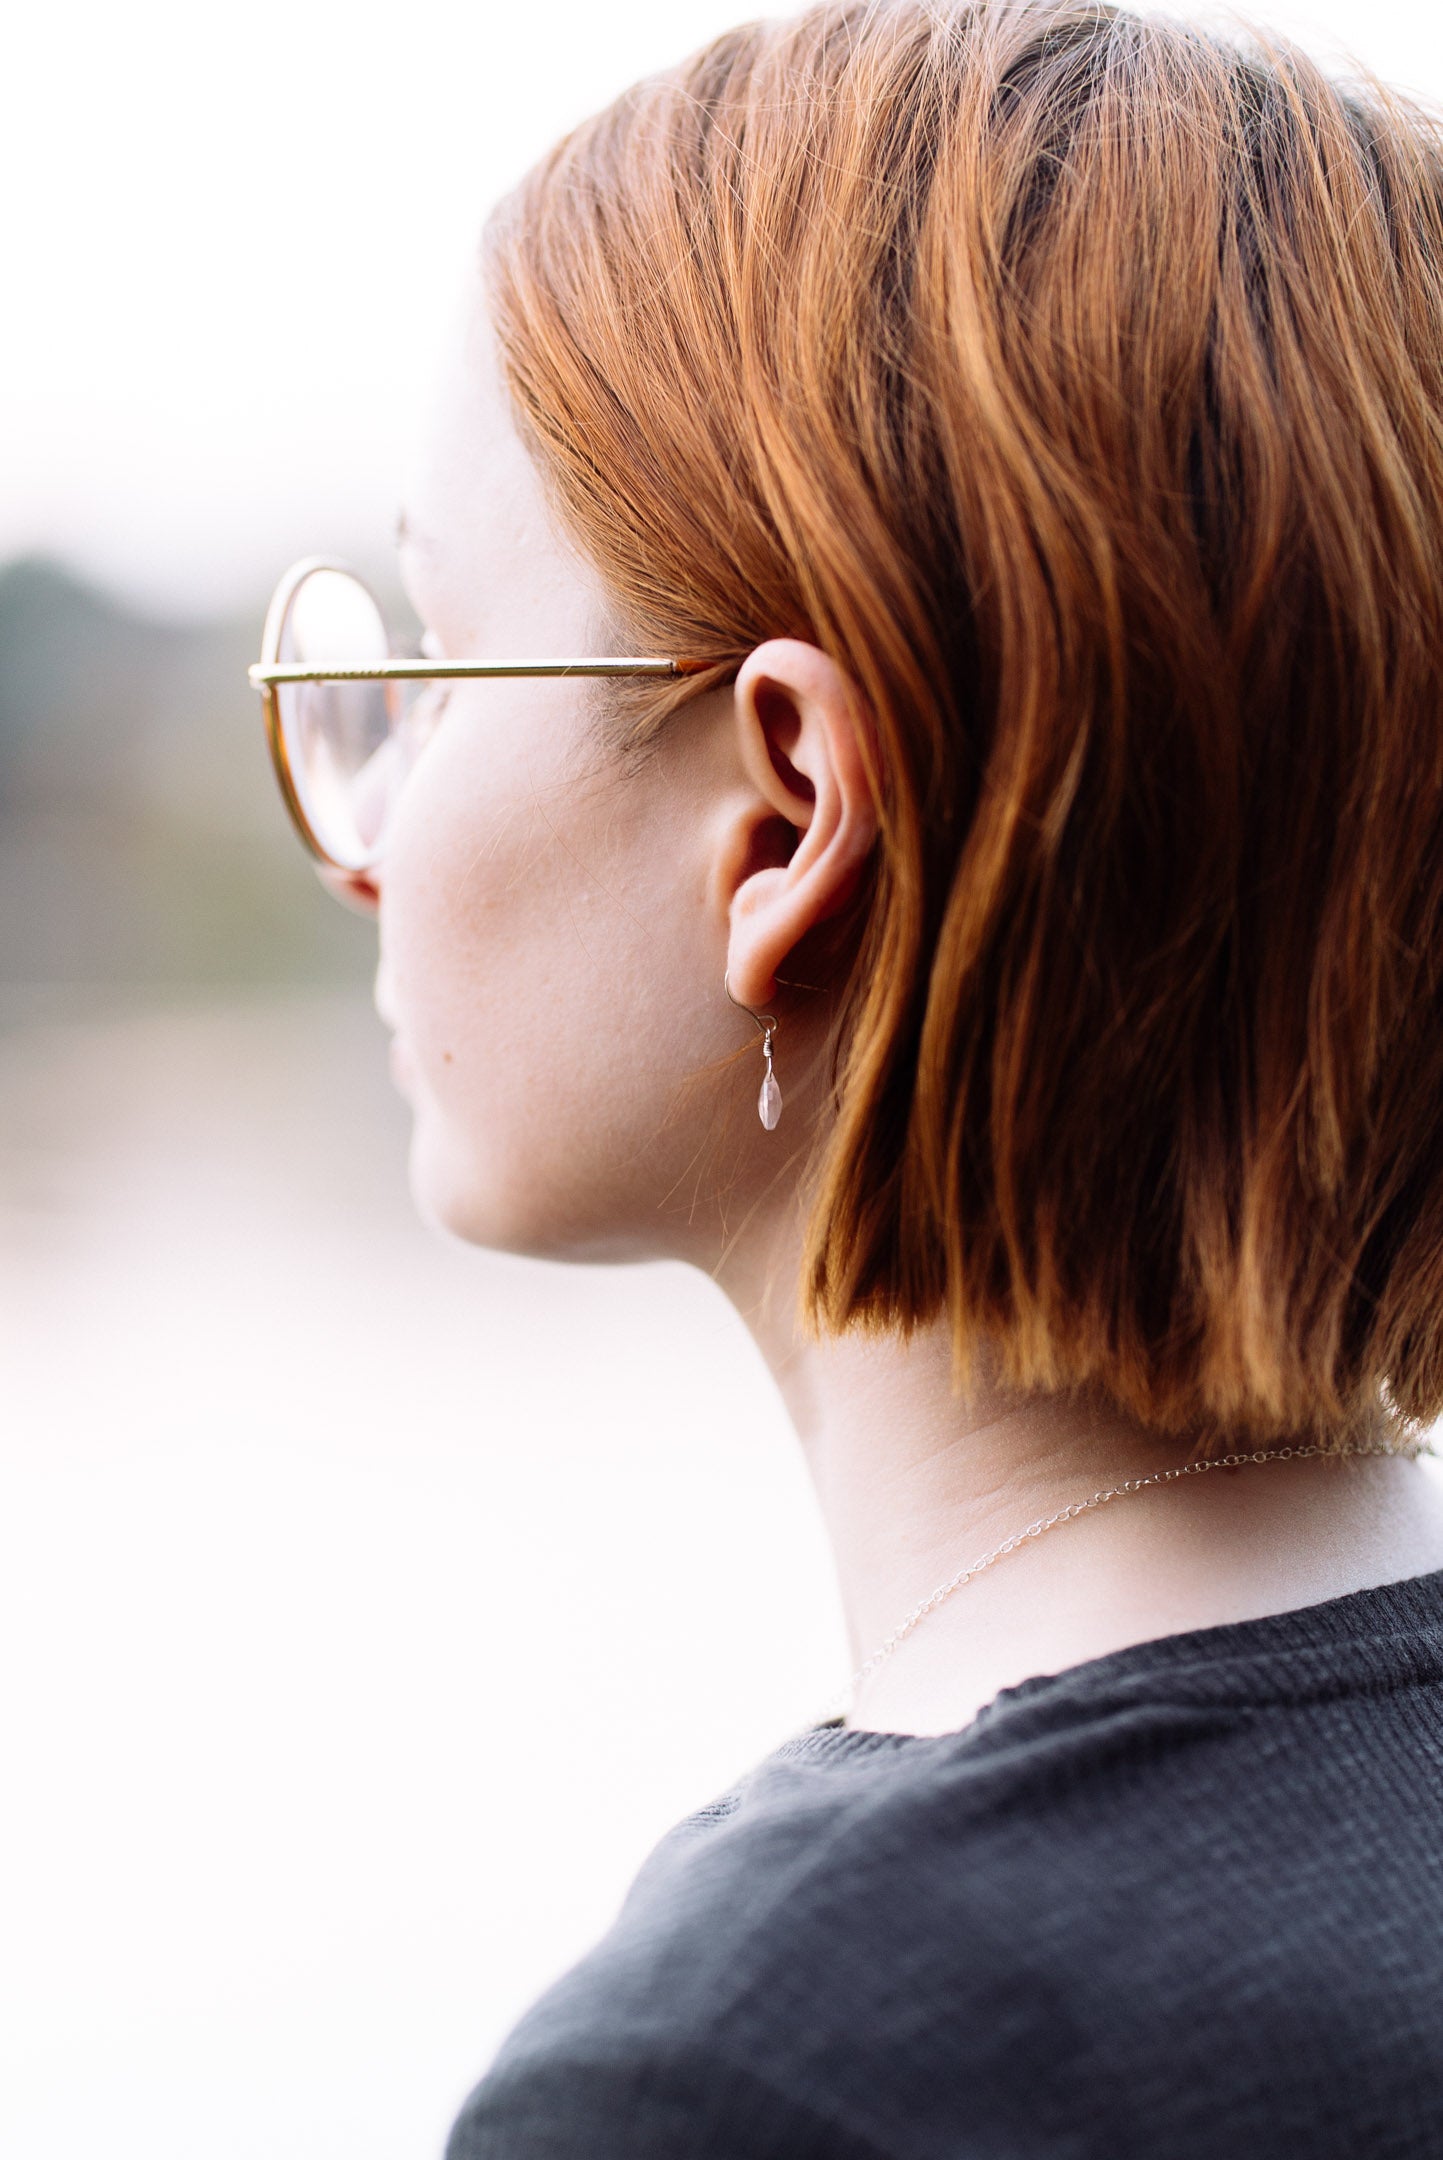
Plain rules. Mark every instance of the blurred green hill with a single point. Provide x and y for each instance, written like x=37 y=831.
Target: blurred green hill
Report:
x=142 y=839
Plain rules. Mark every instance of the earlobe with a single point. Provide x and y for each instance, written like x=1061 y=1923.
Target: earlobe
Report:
x=800 y=721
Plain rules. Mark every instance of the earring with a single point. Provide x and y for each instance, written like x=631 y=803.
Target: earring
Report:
x=769 y=1101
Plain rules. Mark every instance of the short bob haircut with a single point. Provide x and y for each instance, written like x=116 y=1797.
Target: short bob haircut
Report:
x=1074 y=377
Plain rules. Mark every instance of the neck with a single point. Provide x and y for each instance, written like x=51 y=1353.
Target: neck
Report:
x=915 y=1482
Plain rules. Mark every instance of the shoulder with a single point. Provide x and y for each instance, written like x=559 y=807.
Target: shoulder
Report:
x=653 y=2097
x=1184 y=1901
x=815 y=1960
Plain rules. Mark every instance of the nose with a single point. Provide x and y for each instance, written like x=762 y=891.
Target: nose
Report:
x=355 y=889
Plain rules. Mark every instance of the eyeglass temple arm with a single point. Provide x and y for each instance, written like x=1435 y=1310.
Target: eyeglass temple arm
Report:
x=268 y=674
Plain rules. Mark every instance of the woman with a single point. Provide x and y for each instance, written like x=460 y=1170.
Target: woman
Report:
x=997 y=452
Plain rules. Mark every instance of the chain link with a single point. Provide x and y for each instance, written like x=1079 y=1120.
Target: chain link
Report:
x=899 y=1634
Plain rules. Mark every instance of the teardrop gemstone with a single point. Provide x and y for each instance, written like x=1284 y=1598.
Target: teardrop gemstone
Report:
x=769 y=1102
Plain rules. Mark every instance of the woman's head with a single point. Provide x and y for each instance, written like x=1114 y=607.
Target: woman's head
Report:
x=1063 y=388
x=557 y=921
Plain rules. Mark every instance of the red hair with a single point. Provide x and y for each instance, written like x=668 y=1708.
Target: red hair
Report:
x=1074 y=378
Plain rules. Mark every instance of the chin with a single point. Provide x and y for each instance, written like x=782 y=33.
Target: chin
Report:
x=447 y=1194
x=452 y=1192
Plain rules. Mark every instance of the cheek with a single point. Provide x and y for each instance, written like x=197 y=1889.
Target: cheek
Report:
x=517 y=928
x=468 y=898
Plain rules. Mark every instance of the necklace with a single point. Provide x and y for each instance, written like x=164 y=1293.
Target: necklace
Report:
x=899 y=1634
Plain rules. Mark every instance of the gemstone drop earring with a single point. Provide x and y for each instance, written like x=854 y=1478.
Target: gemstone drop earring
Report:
x=769 y=1101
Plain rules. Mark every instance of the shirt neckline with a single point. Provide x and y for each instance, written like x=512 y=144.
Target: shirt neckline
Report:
x=1349 y=1633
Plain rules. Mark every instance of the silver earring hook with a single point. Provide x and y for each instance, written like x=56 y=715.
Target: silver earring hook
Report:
x=769 y=1101
x=764 y=1021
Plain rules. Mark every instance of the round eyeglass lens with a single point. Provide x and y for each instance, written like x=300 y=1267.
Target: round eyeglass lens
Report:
x=342 y=740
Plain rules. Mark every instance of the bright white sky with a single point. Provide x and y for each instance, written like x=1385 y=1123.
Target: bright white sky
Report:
x=234 y=237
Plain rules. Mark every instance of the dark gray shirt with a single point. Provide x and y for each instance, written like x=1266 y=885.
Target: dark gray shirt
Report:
x=1184 y=1901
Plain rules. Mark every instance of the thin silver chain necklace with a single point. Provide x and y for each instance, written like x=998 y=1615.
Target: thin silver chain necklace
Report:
x=845 y=1696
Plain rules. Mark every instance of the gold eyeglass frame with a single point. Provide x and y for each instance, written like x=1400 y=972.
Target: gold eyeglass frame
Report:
x=270 y=674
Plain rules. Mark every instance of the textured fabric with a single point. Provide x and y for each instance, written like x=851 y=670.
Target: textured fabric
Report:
x=1183 y=1901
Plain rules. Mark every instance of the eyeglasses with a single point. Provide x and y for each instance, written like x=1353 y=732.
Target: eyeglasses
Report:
x=346 y=718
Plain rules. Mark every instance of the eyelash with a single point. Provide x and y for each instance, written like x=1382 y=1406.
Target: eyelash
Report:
x=428 y=706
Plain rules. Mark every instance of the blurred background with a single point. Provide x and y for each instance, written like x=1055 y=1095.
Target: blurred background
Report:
x=369 y=1606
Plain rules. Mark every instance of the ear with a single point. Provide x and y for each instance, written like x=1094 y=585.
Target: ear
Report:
x=797 y=846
